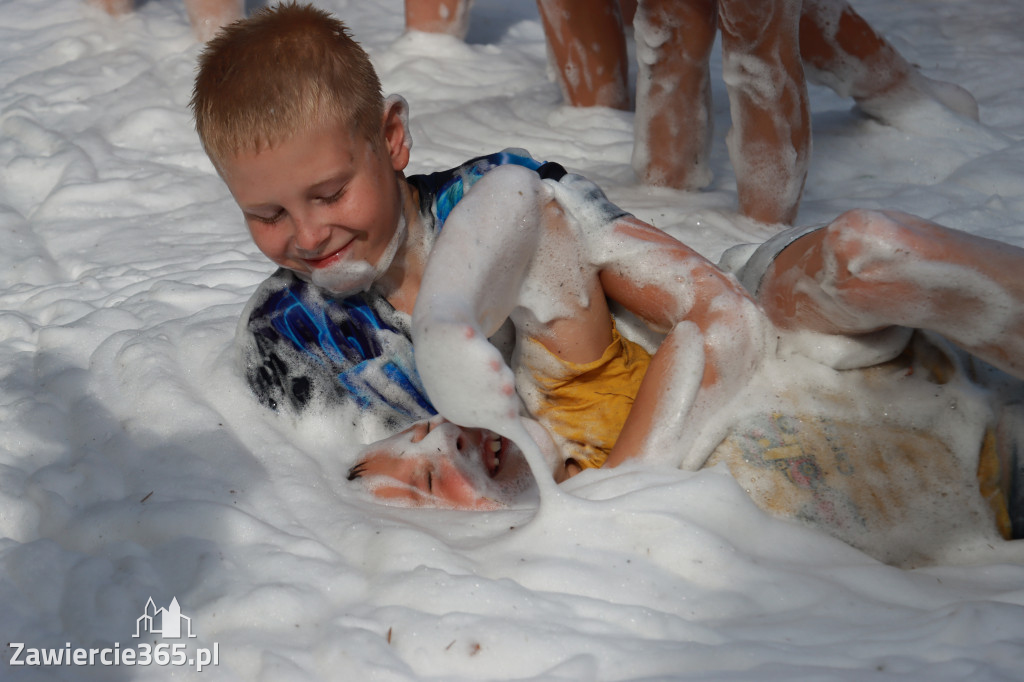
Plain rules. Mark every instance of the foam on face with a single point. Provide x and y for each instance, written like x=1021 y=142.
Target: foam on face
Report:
x=493 y=495
x=349 y=276
x=456 y=457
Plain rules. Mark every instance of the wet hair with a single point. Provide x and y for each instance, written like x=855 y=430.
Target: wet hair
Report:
x=286 y=69
x=357 y=471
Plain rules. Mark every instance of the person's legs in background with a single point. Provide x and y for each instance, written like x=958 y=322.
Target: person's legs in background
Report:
x=672 y=135
x=587 y=42
x=438 y=16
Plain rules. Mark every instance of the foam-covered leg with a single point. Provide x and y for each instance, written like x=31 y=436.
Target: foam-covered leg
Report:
x=842 y=51
x=872 y=269
x=672 y=137
x=588 y=47
x=770 y=140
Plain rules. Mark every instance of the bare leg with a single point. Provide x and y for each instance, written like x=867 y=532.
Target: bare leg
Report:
x=870 y=269
x=842 y=51
x=673 y=92
x=588 y=45
x=770 y=140
x=209 y=16
x=438 y=16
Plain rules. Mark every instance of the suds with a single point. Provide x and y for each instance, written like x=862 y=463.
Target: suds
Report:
x=125 y=267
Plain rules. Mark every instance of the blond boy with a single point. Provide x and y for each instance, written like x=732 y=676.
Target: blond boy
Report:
x=289 y=109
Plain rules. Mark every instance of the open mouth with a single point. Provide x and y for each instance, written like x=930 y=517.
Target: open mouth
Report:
x=493 y=453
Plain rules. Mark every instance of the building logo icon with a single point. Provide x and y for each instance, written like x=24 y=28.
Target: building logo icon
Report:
x=164 y=622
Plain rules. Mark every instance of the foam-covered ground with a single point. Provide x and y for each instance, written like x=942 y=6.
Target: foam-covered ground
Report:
x=134 y=463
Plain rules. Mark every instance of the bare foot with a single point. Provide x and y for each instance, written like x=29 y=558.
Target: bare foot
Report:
x=917 y=93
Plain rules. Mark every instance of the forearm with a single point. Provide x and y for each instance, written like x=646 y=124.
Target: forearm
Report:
x=694 y=377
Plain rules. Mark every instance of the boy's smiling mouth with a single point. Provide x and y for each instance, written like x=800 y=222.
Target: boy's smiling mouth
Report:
x=330 y=259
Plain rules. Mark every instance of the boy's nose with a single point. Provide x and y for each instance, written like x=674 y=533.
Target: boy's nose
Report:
x=310 y=234
x=447 y=438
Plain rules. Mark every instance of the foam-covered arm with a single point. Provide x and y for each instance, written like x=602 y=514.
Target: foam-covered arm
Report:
x=471 y=285
x=716 y=339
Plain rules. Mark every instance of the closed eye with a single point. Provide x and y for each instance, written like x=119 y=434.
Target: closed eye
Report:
x=271 y=220
x=333 y=197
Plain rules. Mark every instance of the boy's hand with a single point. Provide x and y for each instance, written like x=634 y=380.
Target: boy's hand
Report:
x=464 y=375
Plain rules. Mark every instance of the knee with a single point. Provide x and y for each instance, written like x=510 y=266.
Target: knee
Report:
x=863 y=241
x=679 y=26
x=759 y=26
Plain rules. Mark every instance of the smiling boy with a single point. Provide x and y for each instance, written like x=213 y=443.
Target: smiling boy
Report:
x=290 y=112
x=289 y=109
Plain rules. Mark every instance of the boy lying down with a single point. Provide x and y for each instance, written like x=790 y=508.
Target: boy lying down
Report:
x=844 y=417
x=290 y=111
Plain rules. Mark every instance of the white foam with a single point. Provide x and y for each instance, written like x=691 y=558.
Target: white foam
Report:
x=135 y=463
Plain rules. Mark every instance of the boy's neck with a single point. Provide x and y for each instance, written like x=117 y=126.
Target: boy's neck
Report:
x=400 y=285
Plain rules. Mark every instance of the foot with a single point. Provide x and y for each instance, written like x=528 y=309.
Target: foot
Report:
x=899 y=105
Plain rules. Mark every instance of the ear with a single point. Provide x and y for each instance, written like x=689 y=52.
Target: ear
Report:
x=396 y=131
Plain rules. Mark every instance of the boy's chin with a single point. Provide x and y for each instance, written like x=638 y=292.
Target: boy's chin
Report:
x=509 y=487
x=344 y=278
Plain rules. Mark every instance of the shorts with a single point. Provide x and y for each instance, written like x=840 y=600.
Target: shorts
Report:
x=584 y=406
x=749 y=262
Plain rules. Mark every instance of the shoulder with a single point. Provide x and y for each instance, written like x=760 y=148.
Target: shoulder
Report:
x=478 y=166
x=269 y=294
x=440 y=192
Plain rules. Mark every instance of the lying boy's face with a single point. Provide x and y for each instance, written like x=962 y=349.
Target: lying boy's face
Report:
x=324 y=203
x=435 y=463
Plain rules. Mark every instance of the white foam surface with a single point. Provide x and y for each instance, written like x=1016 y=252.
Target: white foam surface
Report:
x=135 y=464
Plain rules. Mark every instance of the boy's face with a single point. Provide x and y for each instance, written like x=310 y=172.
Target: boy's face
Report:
x=438 y=464
x=323 y=201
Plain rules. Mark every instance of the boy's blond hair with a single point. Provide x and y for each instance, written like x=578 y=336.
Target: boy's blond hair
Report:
x=286 y=69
